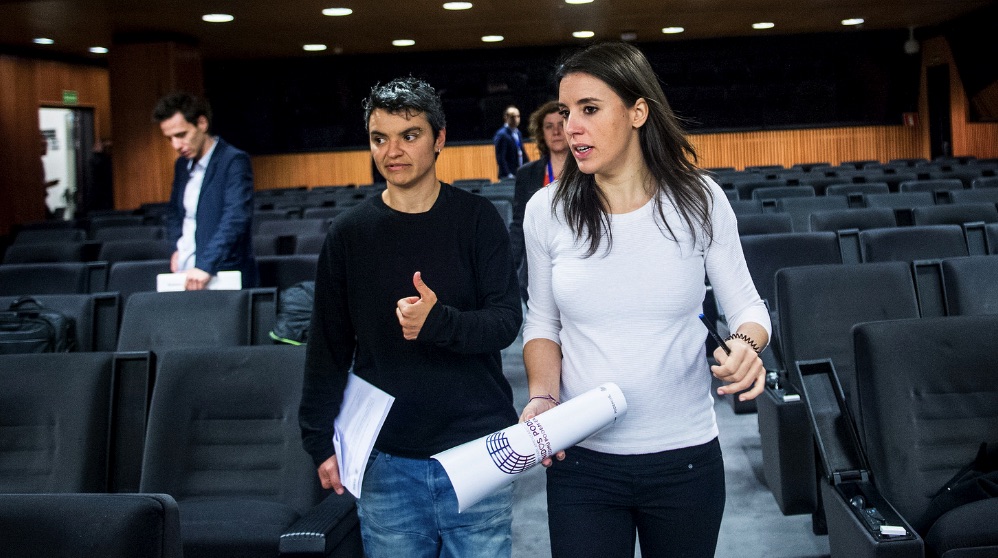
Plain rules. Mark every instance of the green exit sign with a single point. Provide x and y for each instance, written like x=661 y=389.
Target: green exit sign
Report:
x=70 y=97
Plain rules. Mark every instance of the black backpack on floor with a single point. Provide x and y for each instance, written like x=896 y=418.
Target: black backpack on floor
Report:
x=28 y=327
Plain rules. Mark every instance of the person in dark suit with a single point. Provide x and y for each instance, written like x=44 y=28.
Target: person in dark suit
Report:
x=212 y=196
x=547 y=128
x=510 y=153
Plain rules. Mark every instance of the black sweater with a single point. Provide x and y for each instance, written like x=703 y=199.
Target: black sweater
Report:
x=448 y=383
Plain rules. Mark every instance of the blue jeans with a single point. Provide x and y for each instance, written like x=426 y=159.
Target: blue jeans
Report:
x=408 y=507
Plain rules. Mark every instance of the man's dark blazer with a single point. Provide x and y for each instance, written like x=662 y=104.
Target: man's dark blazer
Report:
x=529 y=179
x=506 y=151
x=224 y=235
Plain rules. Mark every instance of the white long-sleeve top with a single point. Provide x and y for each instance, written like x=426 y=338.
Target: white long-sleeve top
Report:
x=630 y=316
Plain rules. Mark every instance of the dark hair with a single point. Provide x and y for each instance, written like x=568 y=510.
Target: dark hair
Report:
x=407 y=95
x=191 y=106
x=669 y=155
x=536 y=125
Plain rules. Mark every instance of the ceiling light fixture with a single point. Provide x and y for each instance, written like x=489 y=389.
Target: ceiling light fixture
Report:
x=492 y=38
x=578 y=1
x=314 y=47
x=336 y=12
x=457 y=6
x=98 y=50
x=763 y=25
x=218 y=18
x=403 y=42
x=43 y=41
x=583 y=34
x=853 y=21
x=672 y=30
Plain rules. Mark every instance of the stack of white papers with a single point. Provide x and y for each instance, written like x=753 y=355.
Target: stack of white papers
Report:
x=361 y=417
x=224 y=281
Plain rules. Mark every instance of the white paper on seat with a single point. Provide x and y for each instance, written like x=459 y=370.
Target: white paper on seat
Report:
x=356 y=428
x=224 y=281
x=480 y=467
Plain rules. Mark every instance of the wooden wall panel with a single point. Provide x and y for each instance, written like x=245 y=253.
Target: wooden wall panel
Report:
x=982 y=139
x=312 y=169
x=90 y=83
x=22 y=196
x=139 y=75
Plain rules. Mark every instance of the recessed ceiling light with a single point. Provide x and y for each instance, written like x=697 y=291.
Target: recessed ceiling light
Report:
x=217 y=18
x=672 y=30
x=43 y=41
x=98 y=50
x=403 y=42
x=334 y=12
x=457 y=6
x=853 y=21
x=578 y=1
x=583 y=34
x=492 y=38
x=763 y=25
x=314 y=47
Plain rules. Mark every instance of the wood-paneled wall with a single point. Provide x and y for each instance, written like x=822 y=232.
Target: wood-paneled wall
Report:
x=25 y=86
x=737 y=149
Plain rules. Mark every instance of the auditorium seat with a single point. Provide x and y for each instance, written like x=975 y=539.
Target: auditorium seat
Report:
x=955 y=214
x=137 y=232
x=232 y=412
x=95 y=316
x=505 y=209
x=769 y=195
x=34 y=236
x=284 y=271
x=112 y=251
x=746 y=207
x=158 y=321
x=939 y=187
x=750 y=183
x=292 y=227
x=309 y=243
x=817 y=307
x=55 y=411
x=980 y=195
x=929 y=242
x=922 y=414
x=856 y=192
x=971 y=285
x=324 y=213
x=128 y=277
x=52 y=278
x=858 y=218
x=764 y=223
x=985 y=182
x=45 y=252
x=800 y=209
x=90 y=525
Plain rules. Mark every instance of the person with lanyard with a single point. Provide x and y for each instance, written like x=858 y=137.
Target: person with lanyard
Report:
x=510 y=152
x=547 y=128
x=619 y=251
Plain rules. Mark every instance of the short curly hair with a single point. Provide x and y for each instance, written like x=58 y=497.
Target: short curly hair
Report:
x=408 y=95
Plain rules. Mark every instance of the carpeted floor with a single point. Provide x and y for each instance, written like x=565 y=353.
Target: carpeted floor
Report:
x=752 y=526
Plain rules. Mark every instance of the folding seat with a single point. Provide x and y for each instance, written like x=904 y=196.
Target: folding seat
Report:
x=800 y=209
x=769 y=195
x=129 y=277
x=977 y=195
x=309 y=243
x=763 y=168
x=45 y=252
x=746 y=207
x=985 y=182
x=902 y=200
x=750 y=183
x=139 y=232
x=817 y=307
x=920 y=416
x=764 y=223
x=324 y=213
x=52 y=278
x=471 y=184
x=264 y=215
x=292 y=227
x=971 y=217
x=498 y=192
x=268 y=244
x=105 y=525
x=34 y=236
x=928 y=242
x=939 y=187
x=856 y=192
x=155 y=321
x=808 y=167
x=133 y=250
x=505 y=209
x=970 y=285
x=991 y=230
x=95 y=316
x=909 y=162
x=55 y=411
x=116 y=219
x=245 y=480
x=846 y=223
x=284 y=271
x=860 y=164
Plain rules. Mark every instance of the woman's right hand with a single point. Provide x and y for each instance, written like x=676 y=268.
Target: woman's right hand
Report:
x=533 y=408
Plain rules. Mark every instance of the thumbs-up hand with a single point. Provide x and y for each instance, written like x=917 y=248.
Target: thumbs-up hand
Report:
x=412 y=310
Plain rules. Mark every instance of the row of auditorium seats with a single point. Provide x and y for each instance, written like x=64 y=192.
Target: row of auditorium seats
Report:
x=215 y=428
x=818 y=306
x=128 y=277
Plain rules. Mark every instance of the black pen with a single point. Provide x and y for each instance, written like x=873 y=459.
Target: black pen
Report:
x=713 y=333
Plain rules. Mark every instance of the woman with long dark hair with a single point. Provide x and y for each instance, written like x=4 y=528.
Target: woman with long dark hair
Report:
x=619 y=250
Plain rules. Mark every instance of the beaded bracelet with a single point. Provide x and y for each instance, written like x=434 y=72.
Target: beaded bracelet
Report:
x=547 y=397
x=748 y=340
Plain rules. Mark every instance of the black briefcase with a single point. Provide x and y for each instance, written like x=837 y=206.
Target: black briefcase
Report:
x=28 y=327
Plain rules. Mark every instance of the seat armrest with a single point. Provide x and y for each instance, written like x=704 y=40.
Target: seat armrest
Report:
x=323 y=528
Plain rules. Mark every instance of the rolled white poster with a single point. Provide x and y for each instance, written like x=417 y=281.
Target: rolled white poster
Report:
x=480 y=467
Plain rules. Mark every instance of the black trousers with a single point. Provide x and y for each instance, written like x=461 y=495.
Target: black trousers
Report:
x=672 y=501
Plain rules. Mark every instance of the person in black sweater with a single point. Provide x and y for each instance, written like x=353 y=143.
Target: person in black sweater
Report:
x=416 y=291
